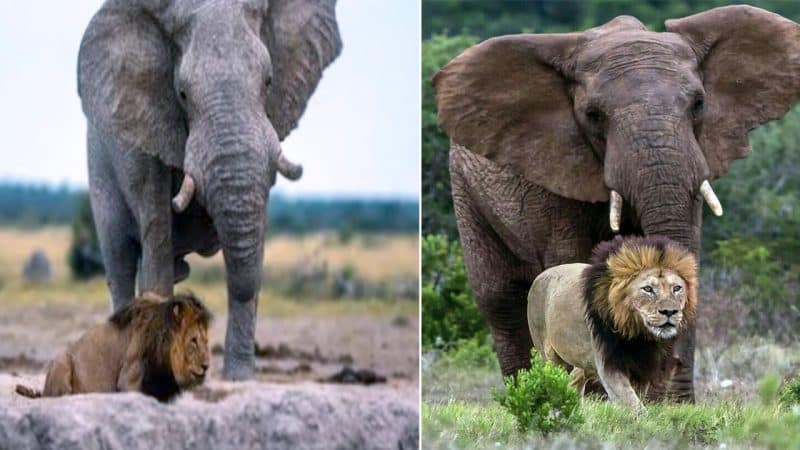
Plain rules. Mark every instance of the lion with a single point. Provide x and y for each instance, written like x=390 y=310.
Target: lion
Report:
x=614 y=319
x=156 y=347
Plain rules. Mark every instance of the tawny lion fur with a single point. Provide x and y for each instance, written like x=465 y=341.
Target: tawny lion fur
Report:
x=157 y=347
x=615 y=318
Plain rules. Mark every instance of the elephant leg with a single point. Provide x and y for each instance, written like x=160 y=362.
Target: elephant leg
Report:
x=675 y=381
x=499 y=281
x=181 y=270
x=120 y=250
x=156 y=273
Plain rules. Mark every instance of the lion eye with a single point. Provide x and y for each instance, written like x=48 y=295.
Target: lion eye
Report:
x=648 y=289
x=676 y=289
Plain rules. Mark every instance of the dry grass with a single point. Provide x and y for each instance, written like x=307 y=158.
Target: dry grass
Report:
x=17 y=245
x=375 y=258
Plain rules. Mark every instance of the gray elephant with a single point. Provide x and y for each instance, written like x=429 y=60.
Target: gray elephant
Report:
x=551 y=132
x=190 y=99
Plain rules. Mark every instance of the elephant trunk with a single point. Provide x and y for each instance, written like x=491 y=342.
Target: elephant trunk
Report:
x=673 y=210
x=228 y=162
x=655 y=170
x=236 y=202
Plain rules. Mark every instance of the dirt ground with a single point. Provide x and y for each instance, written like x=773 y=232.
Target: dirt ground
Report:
x=290 y=349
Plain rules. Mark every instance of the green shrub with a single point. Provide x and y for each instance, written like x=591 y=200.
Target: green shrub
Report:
x=84 y=258
x=471 y=354
x=437 y=205
x=790 y=392
x=449 y=313
x=541 y=398
x=768 y=388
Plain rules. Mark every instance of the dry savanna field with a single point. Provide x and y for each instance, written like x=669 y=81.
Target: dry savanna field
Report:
x=301 y=336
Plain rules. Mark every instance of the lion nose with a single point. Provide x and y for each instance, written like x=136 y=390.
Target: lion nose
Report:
x=668 y=312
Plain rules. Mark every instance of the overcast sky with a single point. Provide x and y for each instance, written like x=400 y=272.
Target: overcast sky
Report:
x=359 y=135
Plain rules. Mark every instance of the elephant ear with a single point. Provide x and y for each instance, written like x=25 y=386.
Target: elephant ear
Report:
x=303 y=39
x=750 y=63
x=507 y=100
x=125 y=67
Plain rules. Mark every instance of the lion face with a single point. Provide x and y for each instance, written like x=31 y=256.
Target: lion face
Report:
x=659 y=297
x=189 y=354
x=642 y=287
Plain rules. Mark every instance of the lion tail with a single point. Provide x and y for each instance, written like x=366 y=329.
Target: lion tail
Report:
x=25 y=391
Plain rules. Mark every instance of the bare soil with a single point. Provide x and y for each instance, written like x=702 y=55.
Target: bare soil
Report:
x=290 y=349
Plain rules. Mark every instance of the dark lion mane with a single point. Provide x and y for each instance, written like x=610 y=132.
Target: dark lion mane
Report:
x=623 y=345
x=157 y=324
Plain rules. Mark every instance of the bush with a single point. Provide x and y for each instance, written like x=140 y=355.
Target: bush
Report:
x=437 y=205
x=540 y=398
x=449 y=313
x=471 y=354
x=768 y=388
x=84 y=258
x=790 y=393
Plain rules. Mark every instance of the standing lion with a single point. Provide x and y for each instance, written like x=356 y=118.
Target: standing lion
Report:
x=154 y=347
x=615 y=318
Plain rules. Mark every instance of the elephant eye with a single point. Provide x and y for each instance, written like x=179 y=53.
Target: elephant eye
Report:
x=697 y=106
x=269 y=81
x=183 y=95
x=594 y=115
x=676 y=289
x=648 y=289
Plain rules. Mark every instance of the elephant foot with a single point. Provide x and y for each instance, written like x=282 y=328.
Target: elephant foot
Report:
x=238 y=370
x=181 y=270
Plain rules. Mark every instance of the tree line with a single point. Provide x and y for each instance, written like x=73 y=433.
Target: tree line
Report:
x=24 y=204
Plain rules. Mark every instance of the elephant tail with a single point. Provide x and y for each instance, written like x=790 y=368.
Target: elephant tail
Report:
x=25 y=391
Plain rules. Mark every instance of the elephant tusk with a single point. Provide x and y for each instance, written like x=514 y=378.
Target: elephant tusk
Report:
x=184 y=196
x=289 y=169
x=711 y=198
x=615 y=211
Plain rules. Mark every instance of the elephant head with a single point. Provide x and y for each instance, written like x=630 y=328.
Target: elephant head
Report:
x=618 y=112
x=210 y=88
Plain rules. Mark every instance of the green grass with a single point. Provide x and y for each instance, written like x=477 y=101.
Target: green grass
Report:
x=471 y=425
x=458 y=410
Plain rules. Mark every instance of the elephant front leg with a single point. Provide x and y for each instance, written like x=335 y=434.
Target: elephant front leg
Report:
x=156 y=270
x=676 y=378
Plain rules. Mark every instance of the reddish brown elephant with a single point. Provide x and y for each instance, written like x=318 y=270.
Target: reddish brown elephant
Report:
x=547 y=129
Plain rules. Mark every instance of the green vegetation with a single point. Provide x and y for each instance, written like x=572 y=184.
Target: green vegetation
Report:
x=469 y=425
x=790 y=393
x=29 y=204
x=459 y=412
x=437 y=213
x=449 y=313
x=540 y=398
x=84 y=257
x=347 y=216
x=491 y=18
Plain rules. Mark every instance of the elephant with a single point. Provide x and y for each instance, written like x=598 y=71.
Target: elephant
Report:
x=558 y=141
x=187 y=102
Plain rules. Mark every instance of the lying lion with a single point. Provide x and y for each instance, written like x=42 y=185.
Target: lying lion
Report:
x=614 y=318
x=151 y=346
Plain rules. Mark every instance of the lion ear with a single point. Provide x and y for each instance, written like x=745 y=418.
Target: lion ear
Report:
x=176 y=310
